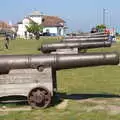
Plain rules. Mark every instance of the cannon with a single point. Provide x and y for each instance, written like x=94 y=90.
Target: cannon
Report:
x=91 y=39
x=10 y=62
x=98 y=33
x=34 y=76
x=87 y=36
x=48 y=48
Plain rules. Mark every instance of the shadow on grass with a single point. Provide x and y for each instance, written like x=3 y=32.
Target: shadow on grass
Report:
x=85 y=96
x=59 y=97
x=13 y=101
x=16 y=101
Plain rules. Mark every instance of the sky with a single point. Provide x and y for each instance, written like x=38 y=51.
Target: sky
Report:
x=80 y=15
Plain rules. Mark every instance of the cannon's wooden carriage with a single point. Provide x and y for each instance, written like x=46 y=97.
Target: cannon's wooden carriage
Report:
x=34 y=76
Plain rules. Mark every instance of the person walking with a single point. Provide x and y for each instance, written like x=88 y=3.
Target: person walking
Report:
x=6 y=43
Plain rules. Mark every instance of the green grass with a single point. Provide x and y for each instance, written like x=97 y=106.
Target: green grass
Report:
x=90 y=80
x=91 y=83
x=21 y=46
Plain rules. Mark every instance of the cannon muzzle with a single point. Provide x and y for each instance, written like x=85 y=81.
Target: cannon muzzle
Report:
x=47 y=48
x=8 y=62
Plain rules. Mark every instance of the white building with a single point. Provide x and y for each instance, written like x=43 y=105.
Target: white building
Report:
x=53 y=24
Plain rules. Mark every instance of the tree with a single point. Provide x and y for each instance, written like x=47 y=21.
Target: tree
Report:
x=34 y=28
x=101 y=27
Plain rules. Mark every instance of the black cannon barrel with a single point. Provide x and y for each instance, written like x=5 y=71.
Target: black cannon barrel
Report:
x=8 y=62
x=97 y=33
x=87 y=39
x=87 y=36
x=91 y=34
x=47 y=48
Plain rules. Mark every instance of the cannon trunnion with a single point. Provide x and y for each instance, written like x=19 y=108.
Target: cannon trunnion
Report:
x=34 y=76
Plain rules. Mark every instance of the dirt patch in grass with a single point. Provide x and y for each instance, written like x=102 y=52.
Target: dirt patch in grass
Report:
x=94 y=101
x=110 y=109
x=62 y=105
x=113 y=109
x=5 y=110
x=111 y=106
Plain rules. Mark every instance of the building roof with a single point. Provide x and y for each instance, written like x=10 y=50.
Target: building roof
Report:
x=21 y=22
x=47 y=21
x=35 y=13
x=52 y=21
x=4 y=25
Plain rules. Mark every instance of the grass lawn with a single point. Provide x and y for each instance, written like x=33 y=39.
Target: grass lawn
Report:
x=90 y=93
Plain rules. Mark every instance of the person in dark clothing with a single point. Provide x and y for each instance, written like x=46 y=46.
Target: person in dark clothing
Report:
x=25 y=34
x=37 y=36
x=7 y=38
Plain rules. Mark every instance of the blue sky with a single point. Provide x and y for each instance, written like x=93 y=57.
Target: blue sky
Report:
x=79 y=14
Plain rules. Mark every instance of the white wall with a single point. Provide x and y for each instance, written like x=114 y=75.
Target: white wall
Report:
x=51 y=29
x=37 y=19
x=60 y=31
x=25 y=21
x=55 y=30
x=21 y=30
